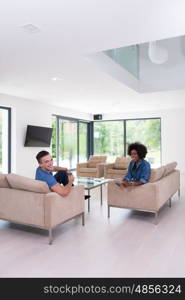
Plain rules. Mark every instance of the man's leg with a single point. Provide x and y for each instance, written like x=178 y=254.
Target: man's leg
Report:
x=61 y=177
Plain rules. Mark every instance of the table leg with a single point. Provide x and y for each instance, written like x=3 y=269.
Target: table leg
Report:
x=88 y=201
x=101 y=194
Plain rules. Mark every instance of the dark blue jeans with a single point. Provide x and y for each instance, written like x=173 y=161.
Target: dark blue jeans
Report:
x=61 y=177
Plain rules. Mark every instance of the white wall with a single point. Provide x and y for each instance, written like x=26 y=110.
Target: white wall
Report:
x=172 y=132
x=26 y=112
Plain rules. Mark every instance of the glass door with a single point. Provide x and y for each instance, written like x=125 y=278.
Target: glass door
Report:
x=68 y=153
x=83 y=142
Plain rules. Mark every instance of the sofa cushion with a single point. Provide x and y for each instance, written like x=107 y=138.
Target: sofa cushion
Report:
x=93 y=164
x=122 y=163
x=87 y=170
x=156 y=174
x=3 y=181
x=169 y=168
x=27 y=184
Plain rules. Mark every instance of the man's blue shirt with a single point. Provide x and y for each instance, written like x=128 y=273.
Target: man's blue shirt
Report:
x=45 y=176
x=139 y=173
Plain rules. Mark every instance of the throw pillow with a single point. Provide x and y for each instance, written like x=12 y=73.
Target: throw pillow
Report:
x=169 y=168
x=27 y=184
x=156 y=174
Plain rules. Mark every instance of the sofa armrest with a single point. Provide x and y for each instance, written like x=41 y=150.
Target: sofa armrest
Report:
x=100 y=169
x=166 y=187
x=108 y=166
x=59 y=209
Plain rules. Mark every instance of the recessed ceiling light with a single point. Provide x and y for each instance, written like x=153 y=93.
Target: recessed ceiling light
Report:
x=116 y=103
x=56 y=78
x=30 y=28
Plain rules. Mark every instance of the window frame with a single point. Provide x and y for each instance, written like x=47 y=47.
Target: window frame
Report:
x=9 y=137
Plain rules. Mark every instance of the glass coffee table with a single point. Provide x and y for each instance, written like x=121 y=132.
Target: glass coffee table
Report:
x=91 y=183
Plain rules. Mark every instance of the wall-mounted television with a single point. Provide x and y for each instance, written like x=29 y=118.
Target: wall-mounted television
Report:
x=37 y=136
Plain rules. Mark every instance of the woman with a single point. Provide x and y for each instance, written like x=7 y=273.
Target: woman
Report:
x=139 y=169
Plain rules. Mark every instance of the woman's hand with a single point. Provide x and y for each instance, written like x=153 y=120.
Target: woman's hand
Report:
x=125 y=183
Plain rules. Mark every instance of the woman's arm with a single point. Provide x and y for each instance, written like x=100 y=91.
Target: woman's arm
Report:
x=145 y=173
x=128 y=175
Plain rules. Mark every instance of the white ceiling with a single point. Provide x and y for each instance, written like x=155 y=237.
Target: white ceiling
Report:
x=70 y=30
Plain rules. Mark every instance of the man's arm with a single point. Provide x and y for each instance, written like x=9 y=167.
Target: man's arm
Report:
x=63 y=190
x=56 y=168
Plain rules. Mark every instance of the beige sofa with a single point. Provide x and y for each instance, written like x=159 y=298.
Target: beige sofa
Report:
x=94 y=167
x=163 y=184
x=117 y=169
x=30 y=202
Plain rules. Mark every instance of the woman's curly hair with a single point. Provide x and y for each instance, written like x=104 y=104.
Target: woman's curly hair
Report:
x=140 y=149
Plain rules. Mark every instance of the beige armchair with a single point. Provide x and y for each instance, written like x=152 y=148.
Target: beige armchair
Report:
x=117 y=169
x=30 y=202
x=94 y=167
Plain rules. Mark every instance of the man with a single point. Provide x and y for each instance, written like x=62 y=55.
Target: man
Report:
x=44 y=173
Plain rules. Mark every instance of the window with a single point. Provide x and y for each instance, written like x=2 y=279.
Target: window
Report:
x=147 y=132
x=5 y=162
x=109 y=139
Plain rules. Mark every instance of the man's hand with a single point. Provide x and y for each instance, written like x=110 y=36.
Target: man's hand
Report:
x=71 y=179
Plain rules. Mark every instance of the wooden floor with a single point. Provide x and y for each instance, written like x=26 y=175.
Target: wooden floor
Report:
x=126 y=245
